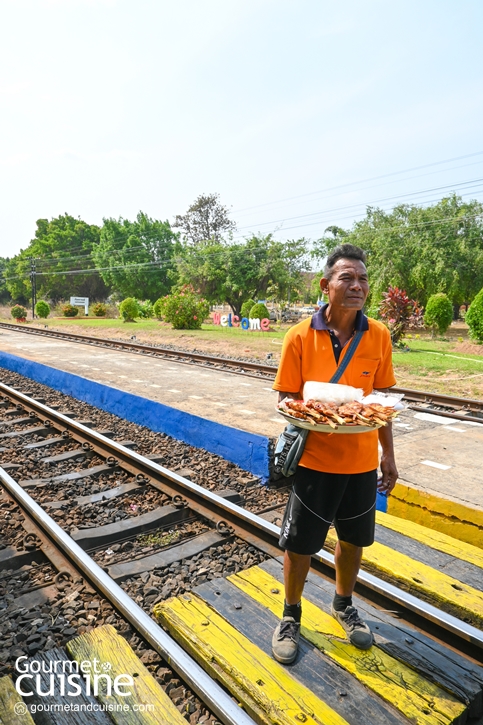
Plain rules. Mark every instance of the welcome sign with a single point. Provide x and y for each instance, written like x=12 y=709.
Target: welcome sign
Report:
x=245 y=323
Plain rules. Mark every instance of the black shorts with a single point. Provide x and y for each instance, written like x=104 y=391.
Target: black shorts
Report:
x=320 y=499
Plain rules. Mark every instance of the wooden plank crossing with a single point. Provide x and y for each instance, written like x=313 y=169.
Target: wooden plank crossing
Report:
x=441 y=570
x=405 y=677
x=147 y=703
x=11 y=705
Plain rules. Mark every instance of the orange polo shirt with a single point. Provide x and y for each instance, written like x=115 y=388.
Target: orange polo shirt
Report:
x=307 y=354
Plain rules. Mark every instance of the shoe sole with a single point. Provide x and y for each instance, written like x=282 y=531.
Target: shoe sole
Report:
x=285 y=660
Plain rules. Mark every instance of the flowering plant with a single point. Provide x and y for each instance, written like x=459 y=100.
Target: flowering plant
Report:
x=400 y=313
x=184 y=309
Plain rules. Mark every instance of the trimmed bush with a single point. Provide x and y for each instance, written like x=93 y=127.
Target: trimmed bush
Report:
x=42 y=309
x=246 y=308
x=146 y=310
x=474 y=317
x=439 y=312
x=259 y=311
x=158 y=308
x=185 y=309
x=70 y=311
x=129 y=309
x=99 y=309
x=19 y=313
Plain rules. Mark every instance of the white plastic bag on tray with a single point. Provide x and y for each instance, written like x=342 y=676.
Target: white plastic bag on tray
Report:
x=331 y=392
x=392 y=400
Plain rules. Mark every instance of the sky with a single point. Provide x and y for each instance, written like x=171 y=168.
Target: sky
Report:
x=298 y=114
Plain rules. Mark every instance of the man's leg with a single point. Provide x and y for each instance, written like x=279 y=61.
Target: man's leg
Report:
x=295 y=570
x=347 y=564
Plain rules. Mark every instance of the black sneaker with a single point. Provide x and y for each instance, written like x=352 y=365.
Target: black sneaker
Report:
x=285 y=640
x=358 y=633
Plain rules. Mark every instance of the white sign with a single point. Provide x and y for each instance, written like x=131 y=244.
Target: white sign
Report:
x=79 y=302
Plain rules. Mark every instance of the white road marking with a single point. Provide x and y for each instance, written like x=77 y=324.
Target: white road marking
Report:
x=122 y=376
x=247 y=384
x=247 y=412
x=276 y=420
x=196 y=397
x=222 y=405
x=432 y=418
x=139 y=381
x=153 y=385
x=433 y=464
x=402 y=425
x=270 y=390
x=170 y=390
x=459 y=430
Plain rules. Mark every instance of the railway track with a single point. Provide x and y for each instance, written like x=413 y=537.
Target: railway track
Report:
x=178 y=530
x=444 y=405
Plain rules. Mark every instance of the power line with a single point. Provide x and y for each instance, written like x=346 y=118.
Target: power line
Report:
x=362 y=181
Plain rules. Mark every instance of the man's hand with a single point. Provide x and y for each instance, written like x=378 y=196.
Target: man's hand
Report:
x=389 y=474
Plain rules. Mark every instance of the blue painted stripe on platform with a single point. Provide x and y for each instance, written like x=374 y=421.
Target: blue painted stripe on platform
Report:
x=247 y=450
x=381 y=502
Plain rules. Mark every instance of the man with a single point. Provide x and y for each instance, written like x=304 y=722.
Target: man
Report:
x=336 y=480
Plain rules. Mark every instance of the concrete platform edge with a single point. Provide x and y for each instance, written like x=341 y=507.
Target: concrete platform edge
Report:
x=250 y=451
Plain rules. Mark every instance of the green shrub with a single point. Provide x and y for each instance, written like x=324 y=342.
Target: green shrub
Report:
x=259 y=311
x=128 y=309
x=185 y=309
x=158 y=308
x=146 y=310
x=19 y=313
x=474 y=317
x=69 y=310
x=42 y=309
x=99 y=309
x=439 y=312
x=246 y=308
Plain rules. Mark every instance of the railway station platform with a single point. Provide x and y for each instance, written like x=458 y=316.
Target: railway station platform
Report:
x=439 y=458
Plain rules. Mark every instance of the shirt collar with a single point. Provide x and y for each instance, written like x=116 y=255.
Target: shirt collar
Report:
x=318 y=320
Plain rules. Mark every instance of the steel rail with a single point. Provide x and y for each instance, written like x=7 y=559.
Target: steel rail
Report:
x=250 y=369
x=210 y=692
x=246 y=524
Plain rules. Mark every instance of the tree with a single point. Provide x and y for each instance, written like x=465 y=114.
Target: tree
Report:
x=424 y=250
x=4 y=293
x=206 y=219
x=62 y=254
x=136 y=258
x=438 y=312
x=231 y=273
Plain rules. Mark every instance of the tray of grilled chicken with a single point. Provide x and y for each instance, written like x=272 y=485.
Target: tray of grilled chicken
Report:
x=352 y=417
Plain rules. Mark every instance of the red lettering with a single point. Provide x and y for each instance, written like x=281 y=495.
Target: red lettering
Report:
x=265 y=324
x=216 y=318
x=235 y=321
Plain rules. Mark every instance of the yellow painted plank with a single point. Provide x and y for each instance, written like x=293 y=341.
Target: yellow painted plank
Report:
x=434 y=539
x=13 y=710
x=420 y=700
x=146 y=703
x=461 y=522
x=443 y=590
x=263 y=686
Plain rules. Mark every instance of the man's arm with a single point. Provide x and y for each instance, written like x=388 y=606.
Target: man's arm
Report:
x=282 y=395
x=388 y=460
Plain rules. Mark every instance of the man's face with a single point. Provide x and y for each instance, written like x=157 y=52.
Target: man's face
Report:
x=348 y=286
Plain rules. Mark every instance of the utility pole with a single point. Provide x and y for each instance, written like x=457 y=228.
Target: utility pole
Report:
x=33 y=281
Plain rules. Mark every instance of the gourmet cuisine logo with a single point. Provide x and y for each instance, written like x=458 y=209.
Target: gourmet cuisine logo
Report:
x=69 y=679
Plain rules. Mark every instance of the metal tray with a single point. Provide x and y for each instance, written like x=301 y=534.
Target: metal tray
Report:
x=324 y=428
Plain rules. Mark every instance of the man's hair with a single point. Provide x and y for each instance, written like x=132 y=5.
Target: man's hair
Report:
x=343 y=251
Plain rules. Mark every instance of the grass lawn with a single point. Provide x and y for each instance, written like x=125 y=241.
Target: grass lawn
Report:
x=451 y=365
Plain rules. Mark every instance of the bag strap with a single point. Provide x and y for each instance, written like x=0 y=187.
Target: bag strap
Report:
x=347 y=357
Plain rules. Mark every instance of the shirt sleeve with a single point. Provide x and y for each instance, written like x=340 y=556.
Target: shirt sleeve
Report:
x=289 y=373
x=384 y=377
